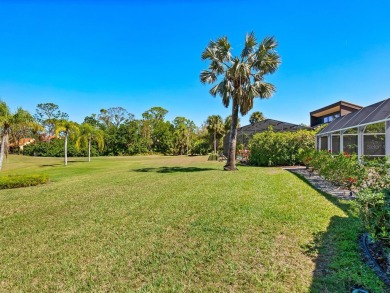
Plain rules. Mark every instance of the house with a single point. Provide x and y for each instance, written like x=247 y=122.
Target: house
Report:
x=245 y=133
x=22 y=143
x=365 y=132
x=331 y=112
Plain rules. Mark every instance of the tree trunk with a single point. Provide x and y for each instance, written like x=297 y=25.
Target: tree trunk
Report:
x=2 y=150
x=89 y=150
x=66 y=150
x=188 y=142
x=215 y=142
x=231 y=160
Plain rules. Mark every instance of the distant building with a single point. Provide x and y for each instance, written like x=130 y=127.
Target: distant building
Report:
x=245 y=133
x=22 y=143
x=329 y=113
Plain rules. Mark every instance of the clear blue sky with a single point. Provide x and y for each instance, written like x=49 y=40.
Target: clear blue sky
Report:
x=88 y=55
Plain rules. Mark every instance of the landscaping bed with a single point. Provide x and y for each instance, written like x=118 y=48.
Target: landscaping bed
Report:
x=376 y=258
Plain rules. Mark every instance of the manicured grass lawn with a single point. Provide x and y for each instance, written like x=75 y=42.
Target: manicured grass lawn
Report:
x=174 y=224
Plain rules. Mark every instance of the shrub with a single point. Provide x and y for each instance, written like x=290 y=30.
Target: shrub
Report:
x=16 y=181
x=375 y=212
x=213 y=157
x=271 y=148
x=377 y=177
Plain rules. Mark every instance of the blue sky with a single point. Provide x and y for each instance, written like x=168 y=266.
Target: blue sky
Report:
x=88 y=55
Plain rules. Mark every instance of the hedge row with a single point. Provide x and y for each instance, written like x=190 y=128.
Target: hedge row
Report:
x=16 y=181
x=271 y=148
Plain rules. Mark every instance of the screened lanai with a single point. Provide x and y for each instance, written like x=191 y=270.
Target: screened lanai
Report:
x=245 y=133
x=365 y=132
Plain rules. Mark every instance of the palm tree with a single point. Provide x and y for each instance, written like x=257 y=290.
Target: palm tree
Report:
x=240 y=79
x=215 y=126
x=228 y=123
x=67 y=129
x=256 y=117
x=88 y=133
x=5 y=126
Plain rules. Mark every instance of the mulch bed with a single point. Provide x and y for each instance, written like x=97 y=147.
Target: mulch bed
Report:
x=321 y=184
x=374 y=257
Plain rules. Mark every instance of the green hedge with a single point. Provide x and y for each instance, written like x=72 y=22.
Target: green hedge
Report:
x=56 y=149
x=16 y=181
x=271 y=148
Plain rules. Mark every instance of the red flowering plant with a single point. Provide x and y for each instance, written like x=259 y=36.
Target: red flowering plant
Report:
x=343 y=170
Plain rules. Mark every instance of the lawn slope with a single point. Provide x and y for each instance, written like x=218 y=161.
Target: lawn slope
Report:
x=174 y=224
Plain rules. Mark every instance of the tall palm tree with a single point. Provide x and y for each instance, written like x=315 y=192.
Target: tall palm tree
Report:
x=228 y=123
x=240 y=79
x=215 y=126
x=67 y=129
x=256 y=117
x=88 y=133
x=5 y=126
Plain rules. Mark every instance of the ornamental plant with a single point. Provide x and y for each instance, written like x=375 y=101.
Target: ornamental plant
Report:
x=271 y=148
x=343 y=169
x=374 y=209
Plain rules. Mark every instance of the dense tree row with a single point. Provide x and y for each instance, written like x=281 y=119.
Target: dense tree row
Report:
x=113 y=131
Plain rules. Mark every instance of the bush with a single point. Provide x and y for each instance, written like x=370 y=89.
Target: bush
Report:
x=213 y=157
x=16 y=181
x=271 y=148
x=377 y=177
x=375 y=212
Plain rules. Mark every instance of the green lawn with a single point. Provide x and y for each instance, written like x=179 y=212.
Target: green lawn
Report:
x=174 y=224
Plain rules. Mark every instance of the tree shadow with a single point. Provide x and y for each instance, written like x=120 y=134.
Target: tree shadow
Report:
x=173 y=169
x=339 y=266
x=62 y=163
x=51 y=165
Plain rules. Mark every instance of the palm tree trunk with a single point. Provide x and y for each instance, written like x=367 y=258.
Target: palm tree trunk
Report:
x=231 y=160
x=215 y=141
x=188 y=142
x=66 y=150
x=2 y=150
x=89 y=150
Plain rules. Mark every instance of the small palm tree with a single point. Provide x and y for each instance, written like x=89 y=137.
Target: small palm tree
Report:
x=6 y=119
x=240 y=79
x=215 y=126
x=256 y=117
x=67 y=129
x=88 y=133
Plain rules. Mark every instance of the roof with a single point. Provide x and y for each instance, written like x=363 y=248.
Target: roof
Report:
x=23 y=142
x=371 y=114
x=265 y=124
x=335 y=107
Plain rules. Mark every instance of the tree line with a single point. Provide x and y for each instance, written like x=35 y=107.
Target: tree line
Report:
x=238 y=80
x=111 y=132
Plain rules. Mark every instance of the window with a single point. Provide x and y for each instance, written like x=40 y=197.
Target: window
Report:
x=350 y=141
x=335 y=143
x=374 y=140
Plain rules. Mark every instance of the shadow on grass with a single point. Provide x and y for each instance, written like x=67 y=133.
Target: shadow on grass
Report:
x=338 y=262
x=51 y=165
x=62 y=163
x=174 y=169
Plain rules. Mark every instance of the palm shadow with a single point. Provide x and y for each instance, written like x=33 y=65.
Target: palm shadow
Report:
x=173 y=170
x=50 y=165
x=328 y=248
x=62 y=163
